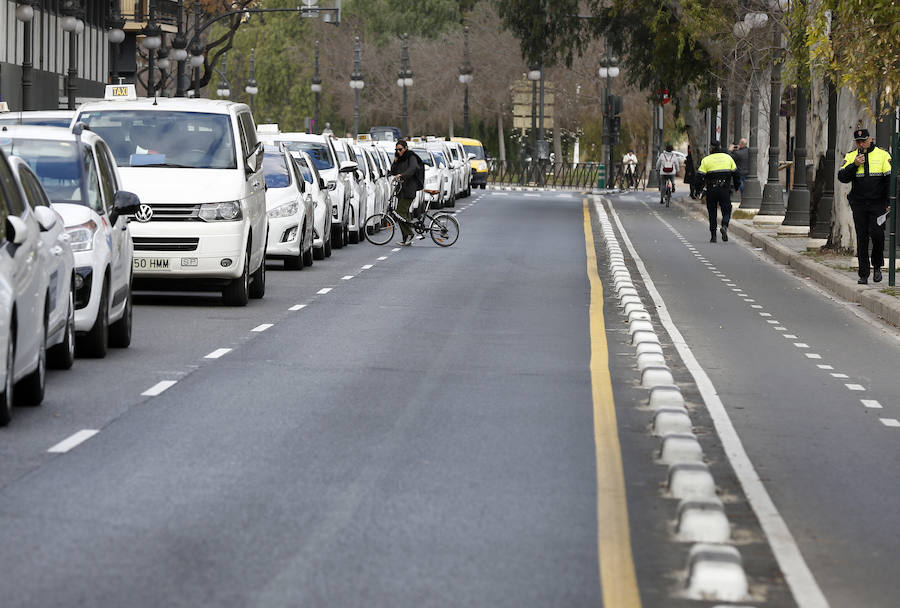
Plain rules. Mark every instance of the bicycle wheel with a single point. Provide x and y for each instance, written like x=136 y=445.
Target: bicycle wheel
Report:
x=444 y=229
x=380 y=229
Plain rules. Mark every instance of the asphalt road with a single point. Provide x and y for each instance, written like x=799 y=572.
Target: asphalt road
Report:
x=415 y=427
x=810 y=385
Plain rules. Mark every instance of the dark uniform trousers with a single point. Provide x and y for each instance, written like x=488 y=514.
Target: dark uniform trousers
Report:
x=865 y=216
x=721 y=198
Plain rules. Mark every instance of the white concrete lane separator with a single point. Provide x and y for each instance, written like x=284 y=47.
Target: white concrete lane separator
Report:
x=159 y=388
x=70 y=442
x=715 y=571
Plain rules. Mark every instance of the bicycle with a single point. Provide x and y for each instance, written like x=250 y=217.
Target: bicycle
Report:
x=667 y=195
x=380 y=227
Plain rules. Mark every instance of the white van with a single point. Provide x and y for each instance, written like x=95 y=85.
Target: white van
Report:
x=197 y=167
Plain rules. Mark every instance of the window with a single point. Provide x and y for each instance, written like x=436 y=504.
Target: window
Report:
x=55 y=163
x=425 y=156
x=246 y=122
x=478 y=151
x=304 y=170
x=163 y=138
x=317 y=151
x=276 y=170
x=92 y=182
x=107 y=175
x=14 y=201
x=34 y=193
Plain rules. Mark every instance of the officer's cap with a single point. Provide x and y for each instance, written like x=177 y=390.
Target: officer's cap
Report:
x=860 y=134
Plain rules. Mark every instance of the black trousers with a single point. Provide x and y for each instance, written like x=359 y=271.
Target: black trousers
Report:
x=867 y=227
x=718 y=198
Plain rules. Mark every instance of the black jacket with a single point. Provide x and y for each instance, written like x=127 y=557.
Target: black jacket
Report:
x=870 y=181
x=407 y=166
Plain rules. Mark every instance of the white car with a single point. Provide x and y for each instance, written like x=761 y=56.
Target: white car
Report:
x=460 y=163
x=38 y=118
x=290 y=210
x=359 y=202
x=321 y=150
x=78 y=173
x=431 y=193
x=197 y=166
x=23 y=299
x=58 y=262
x=371 y=176
x=317 y=187
x=448 y=175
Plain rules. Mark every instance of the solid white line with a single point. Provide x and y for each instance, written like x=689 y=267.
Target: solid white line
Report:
x=323 y=291
x=871 y=403
x=890 y=421
x=382 y=258
x=347 y=277
x=297 y=307
x=855 y=387
x=798 y=575
x=262 y=327
x=159 y=387
x=67 y=444
x=217 y=353
x=367 y=266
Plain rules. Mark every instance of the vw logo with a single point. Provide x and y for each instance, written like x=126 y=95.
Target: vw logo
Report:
x=144 y=213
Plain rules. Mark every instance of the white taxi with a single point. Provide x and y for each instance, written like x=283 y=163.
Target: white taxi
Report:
x=197 y=166
x=290 y=210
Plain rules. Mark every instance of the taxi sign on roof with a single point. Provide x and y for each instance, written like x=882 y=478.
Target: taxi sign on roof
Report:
x=363 y=137
x=4 y=107
x=124 y=92
x=267 y=128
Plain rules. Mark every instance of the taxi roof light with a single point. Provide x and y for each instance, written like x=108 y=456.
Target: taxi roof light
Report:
x=120 y=92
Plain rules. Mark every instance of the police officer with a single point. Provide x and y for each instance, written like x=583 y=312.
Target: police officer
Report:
x=868 y=170
x=719 y=174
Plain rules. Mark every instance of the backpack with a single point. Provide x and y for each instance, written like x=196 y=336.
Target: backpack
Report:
x=668 y=166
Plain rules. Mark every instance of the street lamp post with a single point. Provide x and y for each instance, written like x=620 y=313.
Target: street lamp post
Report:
x=316 y=88
x=534 y=75
x=796 y=217
x=465 y=77
x=404 y=81
x=151 y=42
x=224 y=89
x=74 y=25
x=179 y=51
x=25 y=14
x=252 y=87
x=356 y=83
x=116 y=35
x=609 y=70
x=751 y=197
x=771 y=211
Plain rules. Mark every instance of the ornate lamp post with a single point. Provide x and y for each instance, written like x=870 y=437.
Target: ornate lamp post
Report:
x=152 y=41
x=252 y=87
x=534 y=75
x=74 y=25
x=356 y=83
x=404 y=81
x=465 y=77
x=609 y=70
x=752 y=194
x=25 y=14
x=116 y=35
x=316 y=87
x=224 y=89
x=179 y=51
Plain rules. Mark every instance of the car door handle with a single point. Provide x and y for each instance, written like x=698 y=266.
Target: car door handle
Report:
x=56 y=250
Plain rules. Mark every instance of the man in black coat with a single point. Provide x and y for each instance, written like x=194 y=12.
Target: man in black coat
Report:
x=406 y=168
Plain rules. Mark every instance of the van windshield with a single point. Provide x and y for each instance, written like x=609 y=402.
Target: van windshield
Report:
x=159 y=138
x=318 y=152
x=55 y=163
x=478 y=151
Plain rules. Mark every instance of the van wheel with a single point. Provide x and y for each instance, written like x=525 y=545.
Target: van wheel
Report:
x=6 y=398
x=327 y=246
x=238 y=291
x=62 y=356
x=337 y=236
x=31 y=387
x=258 y=281
x=94 y=343
x=120 y=331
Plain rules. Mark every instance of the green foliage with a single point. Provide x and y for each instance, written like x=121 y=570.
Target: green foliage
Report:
x=384 y=19
x=548 y=31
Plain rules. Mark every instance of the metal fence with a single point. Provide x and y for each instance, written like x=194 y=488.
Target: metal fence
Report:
x=581 y=176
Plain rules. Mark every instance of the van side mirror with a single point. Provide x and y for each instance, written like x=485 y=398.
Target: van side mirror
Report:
x=16 y=229
x=322 y=184
x=46 y=218
x=348 y=166
x=471 y=156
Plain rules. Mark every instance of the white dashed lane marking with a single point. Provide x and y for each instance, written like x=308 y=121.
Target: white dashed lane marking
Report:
x=159 y=387
x=813 y=356
x=367 y=266
x=217 y=353
x=262 y=327
x=841 y=376
x=347 y=277
x=824 y=367
x=323 y=291
x=855 y=387
x=871 y=404
x=893 y=422
x=395 y=249
x=70 y=442
x=297 y=307
x=382 y=258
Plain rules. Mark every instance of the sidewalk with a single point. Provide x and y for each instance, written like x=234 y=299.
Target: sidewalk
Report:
x=836 y=273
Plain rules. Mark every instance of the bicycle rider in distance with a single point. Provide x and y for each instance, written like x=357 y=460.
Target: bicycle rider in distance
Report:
x=407 y=169
x=667 y=165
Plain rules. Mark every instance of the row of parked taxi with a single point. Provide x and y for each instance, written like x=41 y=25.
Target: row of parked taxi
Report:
x=180 y=194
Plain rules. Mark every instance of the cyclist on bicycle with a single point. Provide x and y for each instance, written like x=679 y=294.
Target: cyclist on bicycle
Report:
x=409 y=170
x=667 y=165
x=629 y=167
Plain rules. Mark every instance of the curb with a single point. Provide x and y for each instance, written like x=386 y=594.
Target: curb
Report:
x=884 y=306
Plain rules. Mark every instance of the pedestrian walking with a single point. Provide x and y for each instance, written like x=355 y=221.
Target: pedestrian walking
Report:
x=718 y=173
x=741 y=156
x=868 y=171
x=408 y=169
x=690 y=174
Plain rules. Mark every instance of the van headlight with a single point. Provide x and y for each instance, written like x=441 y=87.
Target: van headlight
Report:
x=286 y=210
x=81 y=237
x=228 y=211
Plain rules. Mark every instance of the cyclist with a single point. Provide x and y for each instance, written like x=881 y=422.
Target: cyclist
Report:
x=409 y=170
x=667 y=165
x=629 y=166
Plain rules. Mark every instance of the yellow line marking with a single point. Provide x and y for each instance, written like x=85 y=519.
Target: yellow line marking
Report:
x=617 y=577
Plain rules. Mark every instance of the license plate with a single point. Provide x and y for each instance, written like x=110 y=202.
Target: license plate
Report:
x=151 y=263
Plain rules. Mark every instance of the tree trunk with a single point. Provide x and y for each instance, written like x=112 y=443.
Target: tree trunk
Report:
x=850 y=111
x=501 y=138
x=557 y=144
x=694 y=119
